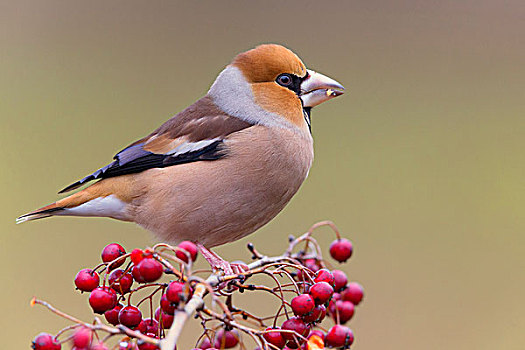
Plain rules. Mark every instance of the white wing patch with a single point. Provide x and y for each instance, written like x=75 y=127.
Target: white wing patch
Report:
x=187 y=147
x=109 y=206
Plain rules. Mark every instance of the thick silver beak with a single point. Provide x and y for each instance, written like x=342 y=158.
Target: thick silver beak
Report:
x=318 y=88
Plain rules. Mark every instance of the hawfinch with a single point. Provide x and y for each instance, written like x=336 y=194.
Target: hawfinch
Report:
x=221 y=168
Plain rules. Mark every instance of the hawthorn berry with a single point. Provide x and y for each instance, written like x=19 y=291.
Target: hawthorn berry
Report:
x=317 y=314
x=189 y=247
x=227 y=339
x=345 y=310
x=148 y=325
x=302 y=304
x=112 y=315
x=120 y=281
x=315 y=340
x=175 y=292
x=274 y=337
x=136 y=275
x=136 y=256
x=316 y=332
x=102 y=299
x=45 y=341
x=163 y=318
x=166 y=305
x=86 y=280
x=148 y=346
x=312 y=264
x=331 y=304
x=126 y=345
x=324 y=275
x=341 y=249
x=82 y=337
x=205 y=344
x=294 y=324
x=321 y=292
x=111 y=252
x=339 y=336
x=99 y=346
x=353 y=292
x=150 y=269
x=340 y=280
x=130 y=316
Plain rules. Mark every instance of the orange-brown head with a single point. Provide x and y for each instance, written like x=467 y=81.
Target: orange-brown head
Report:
x=281 y=84
x=266 y=62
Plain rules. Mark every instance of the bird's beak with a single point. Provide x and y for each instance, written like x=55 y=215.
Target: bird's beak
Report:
x=317 y=88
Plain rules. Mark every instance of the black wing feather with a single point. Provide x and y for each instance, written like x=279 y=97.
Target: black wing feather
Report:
x=135 y=159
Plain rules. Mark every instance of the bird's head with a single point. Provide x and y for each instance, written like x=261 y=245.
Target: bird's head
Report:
x=273 y=78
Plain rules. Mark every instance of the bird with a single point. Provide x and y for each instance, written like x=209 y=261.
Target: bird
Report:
x=219 y=169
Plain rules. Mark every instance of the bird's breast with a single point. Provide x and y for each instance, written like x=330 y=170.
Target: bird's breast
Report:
x=220 y=201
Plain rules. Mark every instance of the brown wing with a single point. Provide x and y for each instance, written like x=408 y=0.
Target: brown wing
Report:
x=195 y=134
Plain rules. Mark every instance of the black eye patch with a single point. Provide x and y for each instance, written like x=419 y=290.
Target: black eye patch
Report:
x=290 y=81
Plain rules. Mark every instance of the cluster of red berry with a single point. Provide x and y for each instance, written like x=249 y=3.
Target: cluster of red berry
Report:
x=144 y=268
x=328 y=293
x=111 y=285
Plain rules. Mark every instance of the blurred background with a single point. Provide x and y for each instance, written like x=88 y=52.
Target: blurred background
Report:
x=420 y=163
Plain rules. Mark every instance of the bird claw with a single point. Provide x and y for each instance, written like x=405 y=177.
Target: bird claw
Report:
x=219 y=264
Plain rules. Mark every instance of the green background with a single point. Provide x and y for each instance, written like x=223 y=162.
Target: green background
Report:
x=420 y=163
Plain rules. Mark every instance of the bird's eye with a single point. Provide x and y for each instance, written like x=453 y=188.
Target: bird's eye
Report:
x=284 y=80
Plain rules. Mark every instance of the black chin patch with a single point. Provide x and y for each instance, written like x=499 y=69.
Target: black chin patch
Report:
x=306 y=112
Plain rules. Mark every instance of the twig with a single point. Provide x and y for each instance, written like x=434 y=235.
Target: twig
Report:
x=197 y=300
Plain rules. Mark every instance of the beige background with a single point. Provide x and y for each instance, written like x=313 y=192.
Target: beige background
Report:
x=421 y=163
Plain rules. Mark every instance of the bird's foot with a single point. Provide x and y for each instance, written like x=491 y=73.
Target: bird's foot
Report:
x=219 y=264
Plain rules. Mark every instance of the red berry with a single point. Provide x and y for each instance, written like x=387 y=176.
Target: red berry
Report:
x=45 y=341
x=82 y=337
x=324 y=275
x=302 y=304
x=130 y=316
x=148 y=346
x=227 y=339
x=312 y=264
x=136 y=275
x=148 y=325
x=102 y=299
x=126 y=345
x=175 y=292
x=150 y=269
x=345 y=310
x=120 y=282
x=353 y=292
x=136 y=256
x=341 y=249
x=86 y=280
x=274 y=338
x=317 y=315
x=111 y=252
x=164 y=319
x=166 y=305
x=112 y=315
x=316 y=332
x=340 y=280
x=321 y=292
x=294 y=324
x=189 y=247
x=205 y=344
x=331 y=305
x=339 y=336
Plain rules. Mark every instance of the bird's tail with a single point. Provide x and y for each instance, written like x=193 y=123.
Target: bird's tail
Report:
x=65 y=206
x=101 y=199
x=44 y=212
